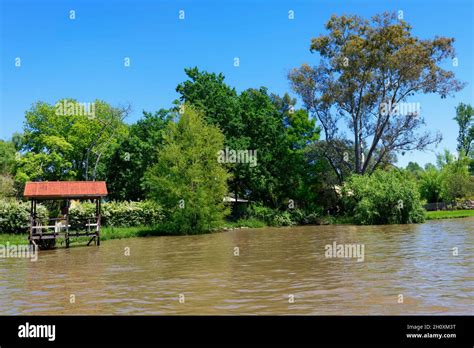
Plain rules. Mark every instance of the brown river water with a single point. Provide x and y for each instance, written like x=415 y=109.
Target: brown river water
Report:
x=277 y=271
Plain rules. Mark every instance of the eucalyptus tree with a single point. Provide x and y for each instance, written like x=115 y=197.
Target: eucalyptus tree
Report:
x=367 y=72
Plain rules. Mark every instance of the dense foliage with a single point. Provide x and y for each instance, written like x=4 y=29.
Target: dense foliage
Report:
x=187 y=179
x=127 y=165
x=115 y=214
x=257 y=120
x=15 y=216
x=165 y=171
x=385 y=197
x=66 y=141
x=275 y=217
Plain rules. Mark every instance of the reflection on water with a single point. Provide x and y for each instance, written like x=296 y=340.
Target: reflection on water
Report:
x=413 y=260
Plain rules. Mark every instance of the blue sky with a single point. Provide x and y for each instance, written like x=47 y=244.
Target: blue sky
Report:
x=84 y=58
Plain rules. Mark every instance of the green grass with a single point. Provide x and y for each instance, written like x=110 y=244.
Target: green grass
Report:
x=127 y=232
x=13 y=239
x=448 y=214
x=106 y=233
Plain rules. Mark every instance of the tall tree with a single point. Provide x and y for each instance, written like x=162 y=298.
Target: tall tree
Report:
x=7 y=157
x=456 y=181
x=187 y=178
x=415 y=169
x=444 y=158
x=127 y=166
x=367 y=69
x=255 y=120
x=430 y=184
x=465 y=120
x=7 y=167
x=65 y=141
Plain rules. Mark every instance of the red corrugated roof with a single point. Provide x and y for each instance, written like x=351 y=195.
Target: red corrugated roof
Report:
x=65 y=189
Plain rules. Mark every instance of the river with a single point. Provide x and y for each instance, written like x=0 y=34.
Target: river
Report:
x=273 y=271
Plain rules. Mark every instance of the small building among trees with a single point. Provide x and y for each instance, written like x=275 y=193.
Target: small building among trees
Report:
x=65 y=191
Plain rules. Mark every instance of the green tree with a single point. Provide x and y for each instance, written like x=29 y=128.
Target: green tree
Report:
x=300 y=133
x=415 y=169
x=456 y=180
x=218 y=101
x=7 y=186
x=430 y=185
x=445 y=158
x=7 y=157
x=465 y=120
x=256 y=120
x=126 y=167
x=187 y=179
x=7 y=168
x=367 y=69
x=69 y=141
x=385 y=197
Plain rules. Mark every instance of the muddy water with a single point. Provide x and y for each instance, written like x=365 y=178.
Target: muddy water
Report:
x=415 y=261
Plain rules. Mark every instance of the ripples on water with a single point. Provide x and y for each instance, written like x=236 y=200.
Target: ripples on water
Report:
x=413 y=260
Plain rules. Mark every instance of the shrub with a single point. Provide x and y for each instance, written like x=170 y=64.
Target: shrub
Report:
x=274 y=217
x=123 y=214
x=290 y=217
x=118 y=214
x=79 y=213
x=152 y=213
x=282 y=219
x=297 y=216
x=15 y=216
x=385 y=197
x=7 y=186
x=430 y=185
x=455 y=181
x=260 y=212
x=311 y=219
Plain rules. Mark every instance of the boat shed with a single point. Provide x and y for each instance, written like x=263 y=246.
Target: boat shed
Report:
x=45 y=236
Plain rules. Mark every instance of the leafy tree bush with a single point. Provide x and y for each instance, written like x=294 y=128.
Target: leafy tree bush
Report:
x=465 y=120
x=118 y=214
x=282 y=219
x=79 y=213
x=15 y=215
x=7 y=186
x=260 y=212
x=127 y=214
x=415 y=169
x=385 y=197
x=274 y=217
x=187 y=179
x=430 y=185
x=297 y=216
x=7 y=157
x=455 y=181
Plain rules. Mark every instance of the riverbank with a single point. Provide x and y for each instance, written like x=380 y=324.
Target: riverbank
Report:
x=108 y=233
x=449 y=214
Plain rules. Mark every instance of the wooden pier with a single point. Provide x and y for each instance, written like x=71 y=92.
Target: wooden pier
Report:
x=45 y=236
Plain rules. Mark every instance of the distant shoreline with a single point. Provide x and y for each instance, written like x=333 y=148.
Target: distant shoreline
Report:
x=109 y=233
